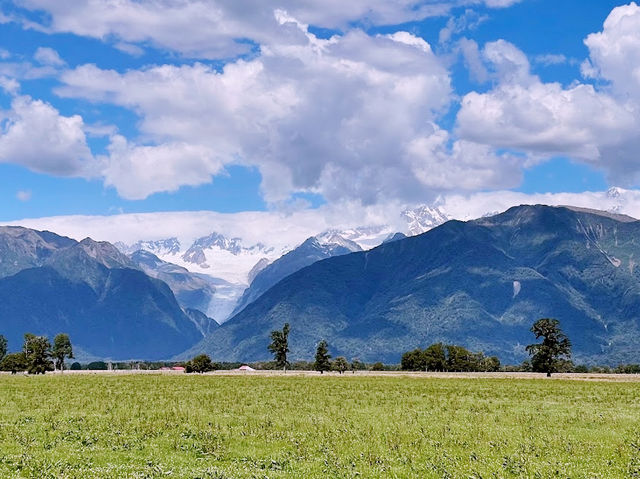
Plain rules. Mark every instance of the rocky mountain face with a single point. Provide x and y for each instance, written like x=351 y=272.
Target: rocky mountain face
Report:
x=22 y=248
x=480 y=284
x=314 y=249
x=192 y=291
x=91 y=291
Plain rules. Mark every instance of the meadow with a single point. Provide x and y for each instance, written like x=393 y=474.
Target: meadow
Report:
x=257 y=426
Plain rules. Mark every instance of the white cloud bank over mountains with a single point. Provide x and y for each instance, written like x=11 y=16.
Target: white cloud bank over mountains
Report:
x=288 y=230
x=353 y=117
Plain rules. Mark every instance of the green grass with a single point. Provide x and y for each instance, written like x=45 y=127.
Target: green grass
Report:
x=147 y=426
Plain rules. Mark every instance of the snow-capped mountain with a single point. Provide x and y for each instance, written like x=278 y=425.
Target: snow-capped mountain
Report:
x=325 y=245
x=163 y=247
x=423 y=218
x=366 y=237
x=333 y=238
x=227 y=258
x=227 y=263
x=233 y=265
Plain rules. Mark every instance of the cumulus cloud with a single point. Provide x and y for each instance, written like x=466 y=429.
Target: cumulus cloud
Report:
x=469 y=20
x=614 y=53
x=350 y=117
x=34 y=134
x=48 y=56
x=138 y=171
x=9 y=85
x=592 y=124
x=220 y=28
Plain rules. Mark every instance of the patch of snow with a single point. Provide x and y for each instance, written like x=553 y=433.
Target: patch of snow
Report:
x=517 y=286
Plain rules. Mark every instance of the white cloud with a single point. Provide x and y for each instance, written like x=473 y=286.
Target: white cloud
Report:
x=466 y=207
x=501 y=3
x=34 y=134
x=48 y=56
x=469 y=20
x=218 y=28
x=551 y=59
x=130 y=48
x=23 y=195
x=614 y=53
x=138 y=171
x=473 y=59
x=598 y=126
x=340 y=117
x=544 y=118
x=289 y=230
x=508 y=63
x=9 y=85
x=467 y=165
x=274 y=227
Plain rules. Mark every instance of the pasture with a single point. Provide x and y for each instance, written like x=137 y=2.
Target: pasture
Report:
x=306 y=426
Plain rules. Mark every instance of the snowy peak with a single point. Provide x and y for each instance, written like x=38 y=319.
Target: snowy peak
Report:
x=216 y=240
x=334 y=238
x=614 y=192
x=366 y=237
x=197 y=253
x=163 y=247
x=424 y=218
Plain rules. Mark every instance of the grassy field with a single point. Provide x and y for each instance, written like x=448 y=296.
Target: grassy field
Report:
x=148 y=426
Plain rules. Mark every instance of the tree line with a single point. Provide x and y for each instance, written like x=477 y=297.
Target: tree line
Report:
x=38 y=355
x=549 y=356
x=449 y=357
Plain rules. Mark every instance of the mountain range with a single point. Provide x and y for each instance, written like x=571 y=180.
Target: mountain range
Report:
x=231 y=265
x=480 y=284
x=91 y=291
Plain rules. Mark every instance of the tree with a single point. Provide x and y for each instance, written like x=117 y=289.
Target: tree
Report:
x=76 y=367
x=435 y=358
x=459 y=358
x=200 y=364
x=322 y=362
x=37 y=351
x=341 y=364
x=413 y=360
x=491 y=364
x=3 y=347
x=97 y=366
x=357 y=365
x=377 y=366
x=546 y=357
x=280 y=346
x=61 y=349
x=14 y=362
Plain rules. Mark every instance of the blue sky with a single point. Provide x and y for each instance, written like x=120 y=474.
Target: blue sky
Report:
x=216 y=105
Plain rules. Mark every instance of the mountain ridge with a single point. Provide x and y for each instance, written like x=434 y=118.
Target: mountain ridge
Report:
x=479 y=283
